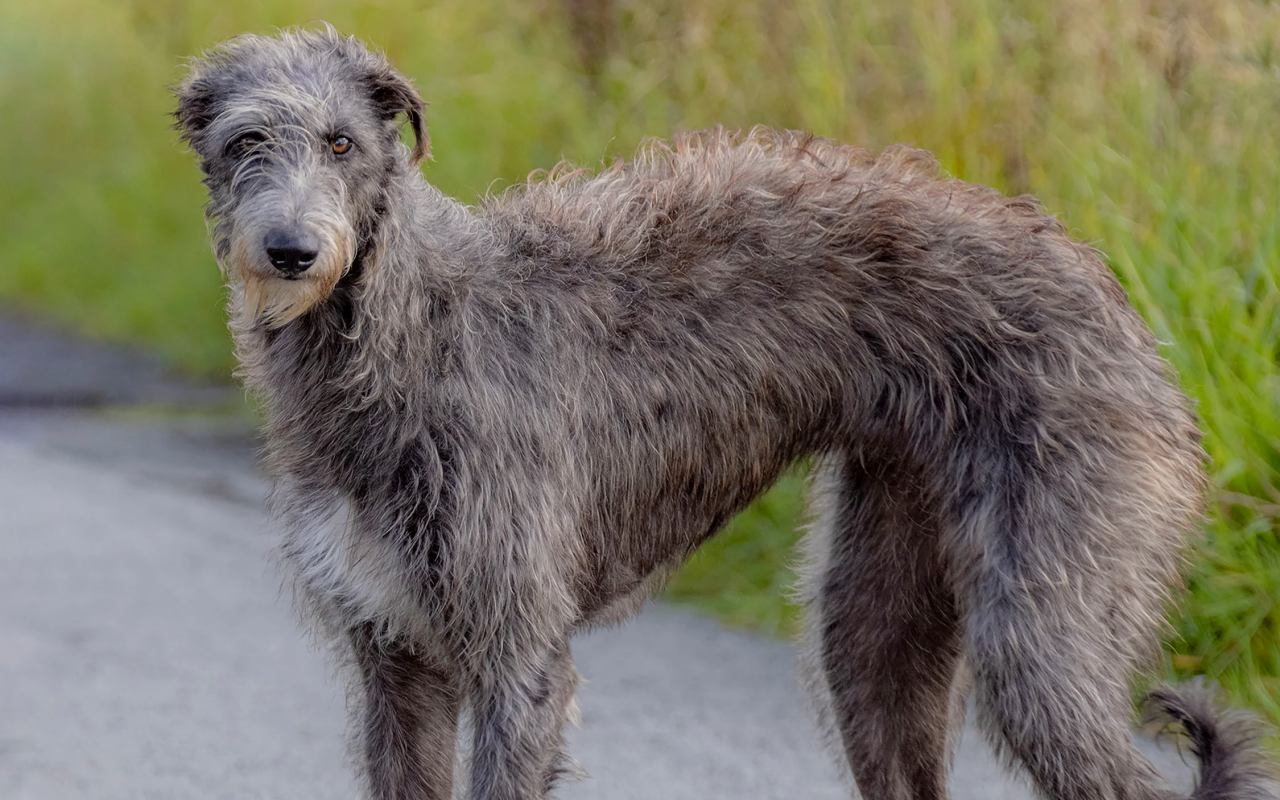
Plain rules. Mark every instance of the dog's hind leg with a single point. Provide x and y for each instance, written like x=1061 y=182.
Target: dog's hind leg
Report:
x=1065 y=563
x=884 y=641
x=519 y=715
x=408 y=736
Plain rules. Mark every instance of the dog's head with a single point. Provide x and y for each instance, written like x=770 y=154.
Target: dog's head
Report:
x=298 y=135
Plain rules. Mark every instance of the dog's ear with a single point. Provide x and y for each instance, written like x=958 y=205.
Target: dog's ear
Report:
x=393 y=95
x=196 y=99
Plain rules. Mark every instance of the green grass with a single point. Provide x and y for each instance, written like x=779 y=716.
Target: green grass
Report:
x=1149 y=128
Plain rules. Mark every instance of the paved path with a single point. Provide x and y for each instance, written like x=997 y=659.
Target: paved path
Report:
x=146 y=650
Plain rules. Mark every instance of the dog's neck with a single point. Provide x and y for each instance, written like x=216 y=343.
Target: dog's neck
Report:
x=386 y=322
x=415 y=247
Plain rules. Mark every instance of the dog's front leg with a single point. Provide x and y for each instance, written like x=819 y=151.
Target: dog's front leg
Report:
x=408 y=733
x=520 y=708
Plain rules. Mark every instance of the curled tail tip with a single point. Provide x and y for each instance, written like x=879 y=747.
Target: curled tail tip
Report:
x=1228 y=744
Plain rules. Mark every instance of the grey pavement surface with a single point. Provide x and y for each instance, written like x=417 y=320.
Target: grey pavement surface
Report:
x=41 y=366
x=147 y=651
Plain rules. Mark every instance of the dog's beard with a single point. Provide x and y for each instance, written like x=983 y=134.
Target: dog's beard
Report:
x=266 y=296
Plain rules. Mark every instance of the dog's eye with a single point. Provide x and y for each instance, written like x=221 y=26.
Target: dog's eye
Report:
x=244 y=143
x=341 y=145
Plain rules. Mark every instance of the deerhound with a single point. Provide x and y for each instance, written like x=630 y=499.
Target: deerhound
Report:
x=492 y=427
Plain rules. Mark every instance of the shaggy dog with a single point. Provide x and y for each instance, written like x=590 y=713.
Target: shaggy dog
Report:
x=493 y=427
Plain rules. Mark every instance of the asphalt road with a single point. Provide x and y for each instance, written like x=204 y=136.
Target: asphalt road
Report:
x=147 y=650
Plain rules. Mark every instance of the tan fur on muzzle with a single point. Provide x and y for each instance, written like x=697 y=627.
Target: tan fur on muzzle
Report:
x=275 y=300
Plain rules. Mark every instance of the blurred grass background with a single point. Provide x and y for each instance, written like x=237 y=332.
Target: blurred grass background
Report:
x=1149 y=126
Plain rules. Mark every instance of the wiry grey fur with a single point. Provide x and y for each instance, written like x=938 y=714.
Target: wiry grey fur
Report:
x=492 y=427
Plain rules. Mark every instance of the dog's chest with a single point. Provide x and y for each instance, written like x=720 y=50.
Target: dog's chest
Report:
x=354 y=573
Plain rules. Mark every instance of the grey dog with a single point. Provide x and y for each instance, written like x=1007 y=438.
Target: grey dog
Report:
x=492 y=427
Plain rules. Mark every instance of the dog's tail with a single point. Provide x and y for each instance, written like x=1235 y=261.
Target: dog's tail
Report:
x=1226 y=743
x=1073 y=737
x=1058 y=709
x=1086 y=753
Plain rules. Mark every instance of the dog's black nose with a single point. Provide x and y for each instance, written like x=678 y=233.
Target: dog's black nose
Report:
x=291 y=252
